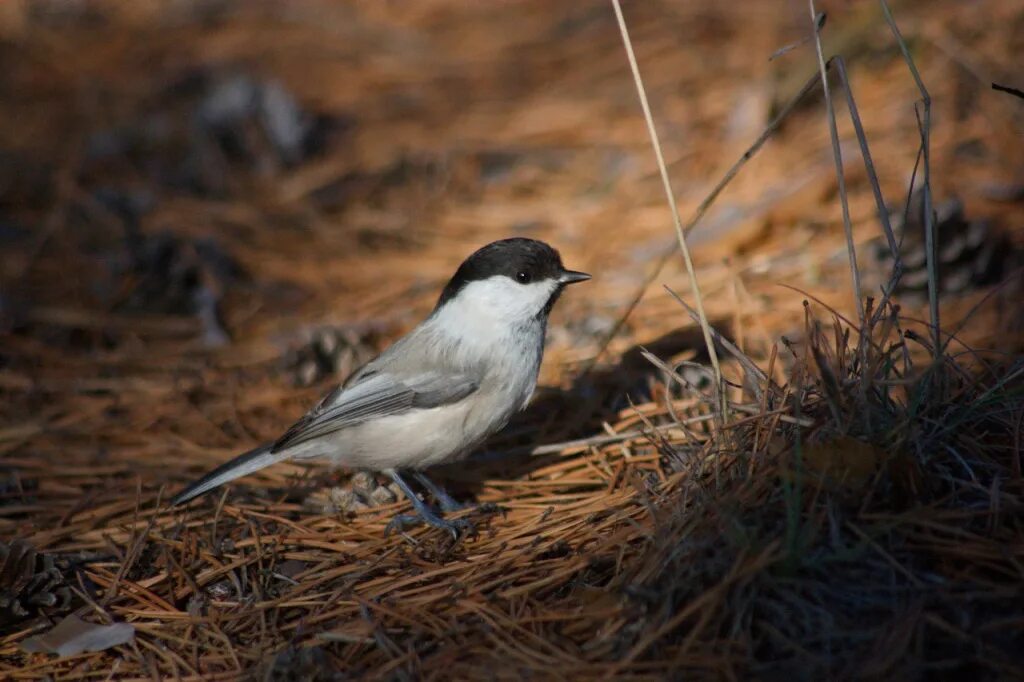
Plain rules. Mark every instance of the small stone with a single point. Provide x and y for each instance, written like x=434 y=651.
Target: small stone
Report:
x=220 y=590
x=382 y=496
x=307 y=373
x=364 y=482
x=326 y=341
x=345 y=499
x=285 y=123
x=195 y=605
x=290 y=568
x=697 y=376
x=342 y=498
x=318 y=504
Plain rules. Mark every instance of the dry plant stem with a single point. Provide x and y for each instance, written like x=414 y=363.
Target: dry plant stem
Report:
x=749 y=366
x=1007 y=89
x=677 y=221
x=838 y=156
x=841 y=182
x=897 y=270
x=819 y=22
x=869 y=166
x=929 y=222
x=755 y=410
x=135 y=547
x=583 y=443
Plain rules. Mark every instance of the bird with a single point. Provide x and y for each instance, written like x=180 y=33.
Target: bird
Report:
x=438 y=392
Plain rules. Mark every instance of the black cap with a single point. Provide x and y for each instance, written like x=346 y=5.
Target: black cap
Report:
x=521 y=260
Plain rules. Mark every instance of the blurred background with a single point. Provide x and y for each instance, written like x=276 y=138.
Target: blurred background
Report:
x=238 y=172
x=210 y=210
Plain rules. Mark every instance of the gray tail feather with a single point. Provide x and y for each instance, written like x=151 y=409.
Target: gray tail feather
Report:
x=246 y=463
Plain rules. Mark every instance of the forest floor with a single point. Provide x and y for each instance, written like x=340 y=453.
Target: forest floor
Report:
x=212 y=212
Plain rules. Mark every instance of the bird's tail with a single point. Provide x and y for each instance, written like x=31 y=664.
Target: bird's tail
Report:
x=246 y=463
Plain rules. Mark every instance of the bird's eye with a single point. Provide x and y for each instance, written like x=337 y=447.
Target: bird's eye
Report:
x=523 y=277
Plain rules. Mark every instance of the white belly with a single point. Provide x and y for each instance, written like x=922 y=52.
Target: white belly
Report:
x=415 y=440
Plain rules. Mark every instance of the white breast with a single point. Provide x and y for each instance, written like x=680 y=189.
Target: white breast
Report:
x=486 y=312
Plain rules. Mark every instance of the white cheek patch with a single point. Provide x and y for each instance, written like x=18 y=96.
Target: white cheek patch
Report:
x=496 y=301
x=503 y=298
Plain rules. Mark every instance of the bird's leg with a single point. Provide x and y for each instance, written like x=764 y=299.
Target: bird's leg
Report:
x=450 y=504
x=425 y=513
x=447 y=502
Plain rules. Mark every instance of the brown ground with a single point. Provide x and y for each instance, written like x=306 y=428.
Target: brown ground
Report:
x=441 y=126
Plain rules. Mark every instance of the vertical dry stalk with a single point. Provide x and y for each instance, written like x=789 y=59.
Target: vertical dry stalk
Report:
x=925 y=125
x=869 y=165
x=838 y=156
x=883 y=213
x=677 y=221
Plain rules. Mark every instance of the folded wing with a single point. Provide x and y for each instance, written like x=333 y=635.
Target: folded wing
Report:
x=376 y=395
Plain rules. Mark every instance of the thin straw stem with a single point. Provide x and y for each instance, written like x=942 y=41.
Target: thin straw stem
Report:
x=670 y=195
x=837 y=155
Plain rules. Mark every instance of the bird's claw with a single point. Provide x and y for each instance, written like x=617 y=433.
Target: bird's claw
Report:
x=457 y=527
x=491 y=508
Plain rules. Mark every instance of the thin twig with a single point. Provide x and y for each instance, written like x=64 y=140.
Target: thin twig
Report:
x=1007 y=89
x=750 y=368
x=840 y=175
x=677 y=221
x=820 y=23
x=583 y=443
x=925 y=126
x=754 y=410
x=869 y=166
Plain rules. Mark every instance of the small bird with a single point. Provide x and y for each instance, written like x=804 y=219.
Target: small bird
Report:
x=439 y=391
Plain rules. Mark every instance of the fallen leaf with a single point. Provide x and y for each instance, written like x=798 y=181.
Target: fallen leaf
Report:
x=73 y=635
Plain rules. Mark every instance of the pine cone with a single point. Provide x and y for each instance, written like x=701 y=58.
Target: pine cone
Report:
x=333 y=351
x=30 y=583
x=970 y=253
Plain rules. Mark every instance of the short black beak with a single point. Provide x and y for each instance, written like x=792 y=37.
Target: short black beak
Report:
x=571 y=277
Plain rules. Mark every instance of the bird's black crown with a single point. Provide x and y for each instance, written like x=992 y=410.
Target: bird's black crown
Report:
x=521 y=260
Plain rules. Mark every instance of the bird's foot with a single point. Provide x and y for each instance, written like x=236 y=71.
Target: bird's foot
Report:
x=457 y=527
x=428 y=515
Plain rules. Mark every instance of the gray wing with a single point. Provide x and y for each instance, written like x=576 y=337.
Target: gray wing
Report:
x=372 y=394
